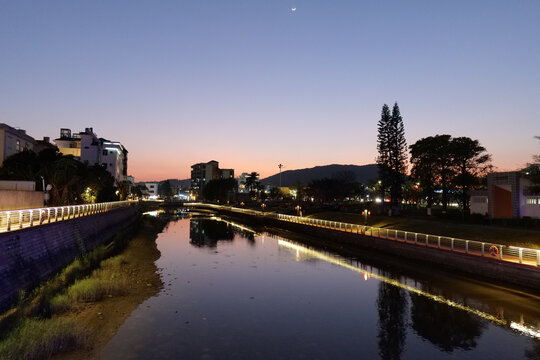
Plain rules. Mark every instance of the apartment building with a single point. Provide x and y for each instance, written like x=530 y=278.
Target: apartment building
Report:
x=87 y=147
x=13 y=141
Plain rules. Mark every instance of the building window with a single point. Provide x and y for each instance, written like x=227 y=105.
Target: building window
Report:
x=532 y=201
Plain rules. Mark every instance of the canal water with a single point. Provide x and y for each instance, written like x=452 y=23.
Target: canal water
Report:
x=231 y=293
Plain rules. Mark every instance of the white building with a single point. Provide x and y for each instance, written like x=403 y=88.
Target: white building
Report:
x=91 y=150
x=510 y=196
x=152 y=189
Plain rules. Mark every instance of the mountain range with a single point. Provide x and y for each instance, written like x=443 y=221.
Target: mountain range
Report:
x=363 y=174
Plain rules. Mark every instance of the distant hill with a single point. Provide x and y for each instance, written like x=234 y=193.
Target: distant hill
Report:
x=363 y=173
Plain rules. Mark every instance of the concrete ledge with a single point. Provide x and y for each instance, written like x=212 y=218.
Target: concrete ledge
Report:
x=31 y=255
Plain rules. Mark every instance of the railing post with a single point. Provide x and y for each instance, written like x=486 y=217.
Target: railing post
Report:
x=537 y=257
x=483 y=251
x=20 y=219
x=371 y=232
x=452 y=244
x=405 y=236
x=520 y=255
x=32 y=217
x=439 y=242
x=49 y=215
x=387 y=231
x=41 y=216
x=466 y=246
x=9 y=221
x=395 y=235
x=427 y=240
x=500 y=252
x=415 y=238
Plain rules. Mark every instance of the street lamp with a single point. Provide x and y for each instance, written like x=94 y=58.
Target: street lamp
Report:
x=366 y=213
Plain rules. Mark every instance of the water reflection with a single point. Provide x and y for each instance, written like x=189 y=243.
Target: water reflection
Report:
x=281 y=299
x=207 y=231
x=392 y=310
x=443 y=326
x=469 y=300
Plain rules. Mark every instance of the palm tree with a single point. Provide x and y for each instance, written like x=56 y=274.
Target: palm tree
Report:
x=252 y=181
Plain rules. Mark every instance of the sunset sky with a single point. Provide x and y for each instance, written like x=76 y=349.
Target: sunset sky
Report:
x=252 y=84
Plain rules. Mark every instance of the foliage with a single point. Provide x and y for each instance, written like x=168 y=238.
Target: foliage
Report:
x=252 y=181
x=72 y=181
x=440 y=161
x=533 y=173
x=340 y=186
x=253 y=185
x=40 y=339
x=165 y=189
x=432 y=166
x=471 y=162
x=219 y=189
x=391 y=146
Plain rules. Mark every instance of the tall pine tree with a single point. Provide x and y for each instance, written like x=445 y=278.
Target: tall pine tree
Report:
x=392 y=148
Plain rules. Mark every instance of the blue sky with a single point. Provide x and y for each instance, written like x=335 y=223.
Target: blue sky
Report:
x=252 y=84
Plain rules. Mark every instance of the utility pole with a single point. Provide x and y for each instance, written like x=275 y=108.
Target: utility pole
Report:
x=280 y=166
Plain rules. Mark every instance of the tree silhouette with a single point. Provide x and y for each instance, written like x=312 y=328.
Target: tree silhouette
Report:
x=391 y=307
x=445 y=327
x=471 y=162
x=392 y=148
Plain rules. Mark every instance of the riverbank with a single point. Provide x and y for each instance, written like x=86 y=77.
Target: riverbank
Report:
x=88 y=311
x=511 y=236
x=509 y=272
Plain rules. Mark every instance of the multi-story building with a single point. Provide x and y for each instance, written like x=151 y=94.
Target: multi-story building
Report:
x=152 y=189
x=13 y=141
x=91 y=150
x=202 y=173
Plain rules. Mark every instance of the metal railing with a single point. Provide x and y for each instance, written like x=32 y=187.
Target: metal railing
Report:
x=500 y=252
x=11 y=220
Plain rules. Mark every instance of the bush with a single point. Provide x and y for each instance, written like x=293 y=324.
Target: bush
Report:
x=40 y=339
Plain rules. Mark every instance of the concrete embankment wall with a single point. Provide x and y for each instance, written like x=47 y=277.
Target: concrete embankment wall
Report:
x=30 y=255
x=486 y=268
x=20 y=199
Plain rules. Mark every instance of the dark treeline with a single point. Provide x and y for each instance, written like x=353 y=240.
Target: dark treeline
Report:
x=72 y=182
x=444 y=163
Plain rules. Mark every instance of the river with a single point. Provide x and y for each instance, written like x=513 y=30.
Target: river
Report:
x=231 y=293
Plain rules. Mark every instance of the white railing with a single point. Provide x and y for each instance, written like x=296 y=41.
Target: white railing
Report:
x=12 y=220
x=500 y=252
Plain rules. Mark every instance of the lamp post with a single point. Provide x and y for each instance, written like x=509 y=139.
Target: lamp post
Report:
x=366 y=213
x=280 y=166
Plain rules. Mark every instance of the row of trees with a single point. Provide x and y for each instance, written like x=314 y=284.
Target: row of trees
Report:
x=442 y=162
x=438 y=162
x=72 y=181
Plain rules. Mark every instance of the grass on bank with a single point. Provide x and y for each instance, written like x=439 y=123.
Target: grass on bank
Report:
x=495 y=234
x=108 y=280
x=31 y=336
x=30 y=332
x=40 y=339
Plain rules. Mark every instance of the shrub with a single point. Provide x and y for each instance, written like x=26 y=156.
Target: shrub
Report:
x=39 y=339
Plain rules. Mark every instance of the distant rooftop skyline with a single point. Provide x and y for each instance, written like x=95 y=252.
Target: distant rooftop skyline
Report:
x=253 y=84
